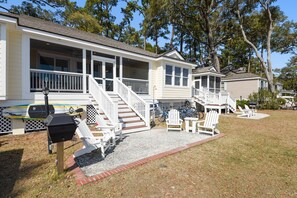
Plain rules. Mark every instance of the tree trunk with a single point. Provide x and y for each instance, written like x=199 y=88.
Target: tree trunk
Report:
x=156 y=43
x=181 y=42
x=249 y=64
x=267 y=67
x=172 y=38
x=144 y=42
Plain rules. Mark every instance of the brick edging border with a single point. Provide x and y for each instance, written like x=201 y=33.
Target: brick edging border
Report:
x=81 y=179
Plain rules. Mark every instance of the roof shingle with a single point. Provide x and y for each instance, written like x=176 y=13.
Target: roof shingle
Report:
x=48 y=26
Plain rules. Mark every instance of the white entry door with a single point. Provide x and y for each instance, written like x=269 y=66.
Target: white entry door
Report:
x=104 y=72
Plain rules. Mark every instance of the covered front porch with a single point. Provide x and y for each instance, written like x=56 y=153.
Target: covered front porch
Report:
x=65 y=69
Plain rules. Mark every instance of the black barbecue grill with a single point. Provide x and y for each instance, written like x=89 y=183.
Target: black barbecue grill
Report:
x=61 y=127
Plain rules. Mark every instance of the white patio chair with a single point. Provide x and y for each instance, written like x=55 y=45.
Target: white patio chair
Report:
x=174 y=120
x=243 y=112
x=90 y=141
x=251 y=112
x=104 y=126
x=209 y=124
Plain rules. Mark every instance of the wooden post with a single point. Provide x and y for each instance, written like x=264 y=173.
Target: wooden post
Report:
x=60 y=157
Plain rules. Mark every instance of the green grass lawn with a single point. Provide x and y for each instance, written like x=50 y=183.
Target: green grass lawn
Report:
x=256 y=158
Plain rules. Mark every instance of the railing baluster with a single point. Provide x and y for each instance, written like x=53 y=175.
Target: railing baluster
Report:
x=57 y=81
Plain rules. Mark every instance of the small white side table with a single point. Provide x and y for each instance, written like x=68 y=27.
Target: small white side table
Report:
x=191 y=124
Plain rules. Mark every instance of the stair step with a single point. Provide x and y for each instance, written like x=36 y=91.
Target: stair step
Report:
x=125 y=114
x=135 y=129
x=123 y=106
x=122 y=110
x=129 y=118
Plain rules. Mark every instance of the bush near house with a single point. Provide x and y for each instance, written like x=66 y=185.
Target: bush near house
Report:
x=242 y=102
x=266 y=99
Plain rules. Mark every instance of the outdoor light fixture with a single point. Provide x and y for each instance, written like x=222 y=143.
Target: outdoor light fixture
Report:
x=45 y=92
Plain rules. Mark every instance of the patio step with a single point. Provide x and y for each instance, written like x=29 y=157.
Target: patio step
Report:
x=135 y=129
x=133 y=123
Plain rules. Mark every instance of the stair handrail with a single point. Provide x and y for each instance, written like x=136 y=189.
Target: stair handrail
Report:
x=106 y=104
x=231 y=103
x=135 y=102
x=198 y=93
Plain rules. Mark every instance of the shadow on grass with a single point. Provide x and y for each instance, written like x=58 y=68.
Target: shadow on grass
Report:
x=10 y=162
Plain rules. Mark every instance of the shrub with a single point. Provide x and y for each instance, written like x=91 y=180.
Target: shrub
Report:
x=242 y=103
x=266 y=99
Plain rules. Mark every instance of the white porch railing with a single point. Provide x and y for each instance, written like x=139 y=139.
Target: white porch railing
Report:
x=136 y=103
x=209 y=98
x=138 y=86
x=109 y=107
x=56 y=81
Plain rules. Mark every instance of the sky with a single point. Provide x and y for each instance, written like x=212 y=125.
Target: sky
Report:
x=278 y=60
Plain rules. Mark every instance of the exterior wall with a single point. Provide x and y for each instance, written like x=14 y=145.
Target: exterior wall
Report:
x=2 y=62
x=242 y=88
x=14 y=71
x=157 y=79
x=171 y=92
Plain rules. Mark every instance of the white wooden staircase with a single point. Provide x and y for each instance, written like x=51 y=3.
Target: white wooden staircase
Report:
x=131 y=121
x=218 y=101
x=121 y=106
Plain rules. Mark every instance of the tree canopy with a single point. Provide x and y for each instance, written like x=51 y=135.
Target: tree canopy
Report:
x=208 y=32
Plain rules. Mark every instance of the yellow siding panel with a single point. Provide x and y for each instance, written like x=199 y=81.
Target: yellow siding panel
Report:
x=14 y=79
x=176 y=93
x=1 y=67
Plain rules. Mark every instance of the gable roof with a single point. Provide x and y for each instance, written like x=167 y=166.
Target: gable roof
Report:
x=241 y=76
x=171 y=54
x=50 y=27
x=199 y=70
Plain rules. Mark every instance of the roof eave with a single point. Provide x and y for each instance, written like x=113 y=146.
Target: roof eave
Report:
x=208 y=73
x=162 y=58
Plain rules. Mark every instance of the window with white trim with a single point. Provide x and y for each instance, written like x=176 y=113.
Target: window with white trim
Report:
x=176 y=76
x=168 y=76
x=185 y=77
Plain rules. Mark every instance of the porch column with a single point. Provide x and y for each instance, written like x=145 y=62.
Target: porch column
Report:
x=84 y=65
x=92 y=64
x=150 y=78
x=215 y=84
x=121 y=68
x=208 y=82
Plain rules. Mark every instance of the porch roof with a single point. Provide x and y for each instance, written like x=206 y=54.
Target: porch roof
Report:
x=206 y=71
x=50 y=27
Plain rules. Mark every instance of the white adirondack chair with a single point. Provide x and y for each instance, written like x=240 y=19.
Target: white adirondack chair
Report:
x=246 y=108
x=104 y=126
x=243 y=112
x=209 y=124
x=174 y=120
x=90 y=141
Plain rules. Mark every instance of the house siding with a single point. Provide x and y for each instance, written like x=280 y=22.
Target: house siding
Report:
x=2 y=84
x=242 y=89
x=157 y=79
x=172 y=92
x=14 y=70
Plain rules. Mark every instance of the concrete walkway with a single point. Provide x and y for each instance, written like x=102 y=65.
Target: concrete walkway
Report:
x=257 y=116
x=136 y=146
